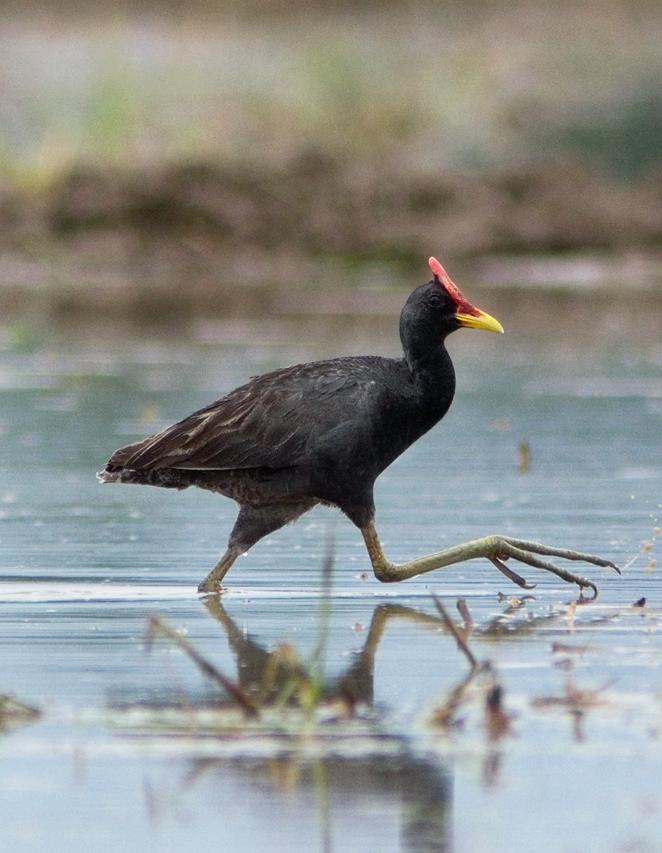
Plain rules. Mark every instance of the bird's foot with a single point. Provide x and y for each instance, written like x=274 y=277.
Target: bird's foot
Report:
x=532 y=553
x=213 y=588
x=498 y=549
x=211 y=585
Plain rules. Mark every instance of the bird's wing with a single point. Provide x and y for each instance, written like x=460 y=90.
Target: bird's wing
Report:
x=271 y=421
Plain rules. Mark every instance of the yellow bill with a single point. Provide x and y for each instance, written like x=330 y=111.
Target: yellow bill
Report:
x=479 y=320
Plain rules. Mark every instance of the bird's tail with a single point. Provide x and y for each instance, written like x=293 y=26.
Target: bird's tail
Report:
x=165 y=478
x=115 y=476
x=117 y=470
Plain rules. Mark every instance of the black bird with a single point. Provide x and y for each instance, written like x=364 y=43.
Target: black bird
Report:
x=323 y=432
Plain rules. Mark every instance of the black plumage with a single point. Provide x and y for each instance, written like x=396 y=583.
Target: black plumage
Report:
x=313 y=433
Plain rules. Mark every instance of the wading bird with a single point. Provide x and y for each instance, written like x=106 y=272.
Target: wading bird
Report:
x=323 y=432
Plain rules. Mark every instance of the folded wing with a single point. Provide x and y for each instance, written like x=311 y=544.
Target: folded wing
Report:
x=272 y=421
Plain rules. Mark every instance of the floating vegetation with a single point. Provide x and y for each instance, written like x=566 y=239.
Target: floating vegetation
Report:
x=575 y=701
x=481 y=678
x=524 y=457
x=14 y=713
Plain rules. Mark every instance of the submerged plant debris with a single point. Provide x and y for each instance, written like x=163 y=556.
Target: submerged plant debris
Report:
x=14 y=713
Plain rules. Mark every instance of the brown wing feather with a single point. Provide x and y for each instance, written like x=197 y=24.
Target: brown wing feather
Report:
x=270 y=421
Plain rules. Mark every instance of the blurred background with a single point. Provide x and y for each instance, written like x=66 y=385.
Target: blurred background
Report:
x=193 y=192
x=163 y=159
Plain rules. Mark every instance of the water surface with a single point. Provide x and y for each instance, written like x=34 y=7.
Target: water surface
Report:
x=83 y=566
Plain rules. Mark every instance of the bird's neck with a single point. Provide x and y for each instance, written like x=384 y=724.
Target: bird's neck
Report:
x=433 y=376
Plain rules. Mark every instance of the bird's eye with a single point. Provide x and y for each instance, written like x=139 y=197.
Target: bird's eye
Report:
x=435 y=300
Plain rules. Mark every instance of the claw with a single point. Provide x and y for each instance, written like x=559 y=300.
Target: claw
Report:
x=564 y=574
x=564 y=553
x=586 y=583
x=510 y=574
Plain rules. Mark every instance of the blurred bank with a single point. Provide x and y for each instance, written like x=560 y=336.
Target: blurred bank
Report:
x=162 y=157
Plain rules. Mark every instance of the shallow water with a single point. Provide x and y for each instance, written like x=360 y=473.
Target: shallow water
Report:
x=83 y=566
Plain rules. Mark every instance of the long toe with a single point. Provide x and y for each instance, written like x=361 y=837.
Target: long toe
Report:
x=564 y=574
x=510 y=574
x=563 y=553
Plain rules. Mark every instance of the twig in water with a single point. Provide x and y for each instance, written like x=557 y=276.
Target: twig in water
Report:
x=524 y=454
x=514 y=601
x=497 y=721
x=452 y=628
x=445 y=714
x=157 y=625
x=465 y=613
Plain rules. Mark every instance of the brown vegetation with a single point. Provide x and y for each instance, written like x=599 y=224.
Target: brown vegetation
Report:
x=213 y=227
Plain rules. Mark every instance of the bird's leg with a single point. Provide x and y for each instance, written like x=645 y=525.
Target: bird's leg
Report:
x=494 y=548
x=212 y=583
x=251 y=525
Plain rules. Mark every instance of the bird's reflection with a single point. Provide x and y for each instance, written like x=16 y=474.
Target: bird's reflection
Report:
x=419 y=789
x=265 y=673
x=402 y=783
x=401 y=794
x=258 y=667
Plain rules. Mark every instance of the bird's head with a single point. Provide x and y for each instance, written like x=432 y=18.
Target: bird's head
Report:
x=441 y=307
